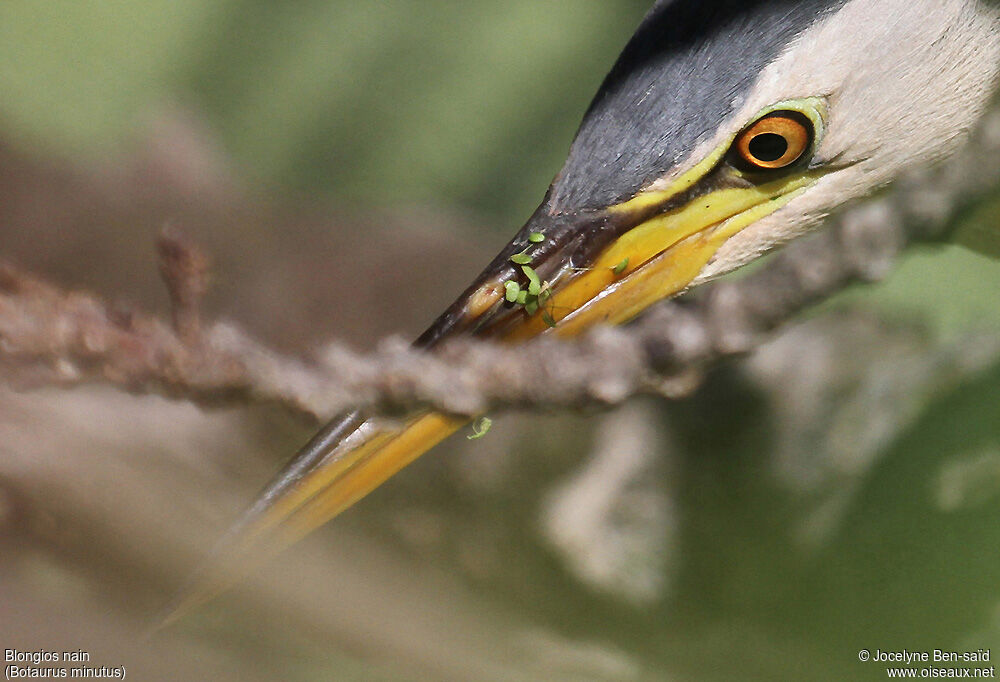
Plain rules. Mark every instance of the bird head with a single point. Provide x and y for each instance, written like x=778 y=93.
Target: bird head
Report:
x=728 y=127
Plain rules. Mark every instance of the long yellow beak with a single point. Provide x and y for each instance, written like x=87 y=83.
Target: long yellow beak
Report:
x=660 y=241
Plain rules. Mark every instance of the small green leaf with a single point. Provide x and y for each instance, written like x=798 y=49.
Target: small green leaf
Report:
x=531 y=307
x=480 y=428
x=534 y=283
x=520 y=258
x=536 y=237
x=513 y=290
x=620 y=268
x=548 y=319
x=522 y=297
x=544 y=295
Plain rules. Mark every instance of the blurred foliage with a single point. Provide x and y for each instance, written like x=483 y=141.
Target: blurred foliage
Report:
x=472 y=105
x=386 y=102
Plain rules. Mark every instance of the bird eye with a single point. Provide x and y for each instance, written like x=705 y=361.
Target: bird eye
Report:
x=776 y=141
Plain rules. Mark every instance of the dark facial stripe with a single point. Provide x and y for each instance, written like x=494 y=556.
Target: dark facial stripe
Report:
x=689 y=66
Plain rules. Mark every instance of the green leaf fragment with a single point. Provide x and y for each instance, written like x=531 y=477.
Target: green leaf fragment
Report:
x=520 y=258
x=513 y=291
x=620 y=268
x=522 y=297
x=534 y=283
x=531 y=307
x=480 y=428
x=548 y=319
x=536 y=237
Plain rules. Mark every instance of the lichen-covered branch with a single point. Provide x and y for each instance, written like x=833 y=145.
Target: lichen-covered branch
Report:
x=50 y=336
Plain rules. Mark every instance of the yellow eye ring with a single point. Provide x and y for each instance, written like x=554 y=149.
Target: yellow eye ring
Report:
x=776 y=141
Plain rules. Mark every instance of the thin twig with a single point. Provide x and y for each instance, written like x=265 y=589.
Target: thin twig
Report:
x=185 y=270
x=50 y=336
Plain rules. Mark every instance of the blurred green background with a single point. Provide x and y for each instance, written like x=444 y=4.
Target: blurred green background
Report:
x=850 y=498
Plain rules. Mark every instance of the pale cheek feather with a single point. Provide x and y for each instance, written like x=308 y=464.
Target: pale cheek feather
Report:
x=903 y=91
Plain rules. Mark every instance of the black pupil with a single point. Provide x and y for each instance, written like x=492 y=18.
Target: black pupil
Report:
x=768 y=147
